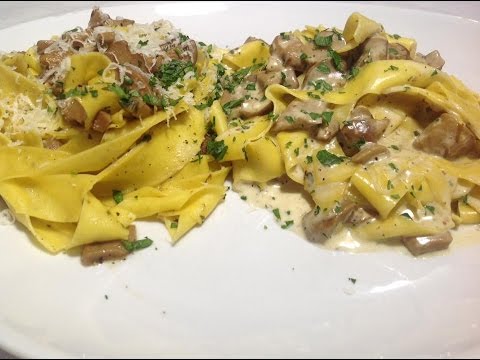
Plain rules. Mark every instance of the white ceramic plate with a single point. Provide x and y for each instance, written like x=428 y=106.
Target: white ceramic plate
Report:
x=231 y=288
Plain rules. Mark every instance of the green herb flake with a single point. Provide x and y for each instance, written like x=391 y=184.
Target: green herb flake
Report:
x=243 y=197
x=288 y=144
x=289 y=119
x=337 y=59
x=395 y=197
x=392 y=51
x=430 y=208
x=142 y=43
x=229 y=106
x=406 y=215
x=323 y=68
x=170 y=72
x=296 y=151
x=395 y=147
x=276 y=212
x=303 y=57
x=393 y=167
x=217 y=149
x=327 y=116
x=94 y=93
x=328 y=159
x=251 y=87
x=323 y=41
x=287 y=224
x=435 y=72
x=389 y=185
x=391 y=68
x=174 y=225
x=117 y=196
x=352 y=280
x=354 y=71
x=309 y=159
x=132 y=246
x=396 y=36
x=322 y=86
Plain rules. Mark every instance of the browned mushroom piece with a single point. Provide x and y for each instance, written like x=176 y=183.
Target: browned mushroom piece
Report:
x=105 y=39
x=286 y=77
x=397 y=52
x=73 y=111
x=52 y=59
x=373 y=49
x=99 y=18
x=369 y=152
x=433 y=59
x=419 y=245
x=319 y=226
x=318 y=72
x=448 y=137
x=326 y=132
x=42 y=45
x=119 y=52
x=298 y=115
x=358 y=216
x=140 y=79
x=51 y=143
x=102 y=121
x=107 y=251
x=361 y=128
x=289 y=49
x=138 y=108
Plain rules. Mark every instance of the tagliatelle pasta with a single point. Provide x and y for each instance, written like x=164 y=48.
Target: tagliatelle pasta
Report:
x=122 y=121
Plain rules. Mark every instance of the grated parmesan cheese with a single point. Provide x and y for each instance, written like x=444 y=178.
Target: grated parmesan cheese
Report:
x=20 y=115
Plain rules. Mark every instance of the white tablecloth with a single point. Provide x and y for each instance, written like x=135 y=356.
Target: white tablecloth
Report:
x=14 y=12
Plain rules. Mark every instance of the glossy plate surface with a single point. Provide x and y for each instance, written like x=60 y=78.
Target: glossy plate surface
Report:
x=232 y=288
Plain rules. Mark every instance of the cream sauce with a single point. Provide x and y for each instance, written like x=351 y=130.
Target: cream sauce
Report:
x=293 y=202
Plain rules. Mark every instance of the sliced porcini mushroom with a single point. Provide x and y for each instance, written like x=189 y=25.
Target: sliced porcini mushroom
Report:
x=102 y=121
x=419 y=245
x=52 y=59
x=187 y=51
x=99 y=18
x=358 y=216
x=51 y=143
x=397 y=52
x=140 y=79
x=138 y=108
x=373 y=49
x=361 y=128
x=289 y=49
x=448 y=137
x=318 y=72
x=119 y=52
x=320 y=226
x=285 y=76
x=98 y=253
x=328 y=131
x=105 y=39
x=369 y=152
x=73 y=111
x=433 y=59
x=297 y=115
x=42 y=45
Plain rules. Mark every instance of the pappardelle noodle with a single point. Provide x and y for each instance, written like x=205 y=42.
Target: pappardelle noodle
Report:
x=124 y=121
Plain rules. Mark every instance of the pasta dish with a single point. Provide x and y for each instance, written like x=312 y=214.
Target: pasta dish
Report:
x=121 y=121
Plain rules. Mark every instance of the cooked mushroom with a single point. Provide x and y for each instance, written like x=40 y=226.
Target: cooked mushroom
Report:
x=328 y=131
x=373 y=49
x=289 y=49
x=73 y=111
x=358 y=216
x=419 y=245
x=98 y=18
x=369 y=152
x=397 y=52
x=107 y=251
x=320 y=226
x=138 y=108
x=119 y=52
x=102 y=121
x=361 y=128
x=105 y=39
x=319 y=72
x=433 y=59
x=448 y=137
x=298 y=115
x=42 y=45
x=52 y=59
x=285 y=76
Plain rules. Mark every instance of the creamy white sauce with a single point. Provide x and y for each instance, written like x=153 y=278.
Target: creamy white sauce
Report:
x=293 y=202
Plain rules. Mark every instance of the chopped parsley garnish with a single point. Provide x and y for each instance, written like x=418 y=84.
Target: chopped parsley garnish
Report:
x=391 y=68
x=416 y=133
x=289 y=119
x=288 y=144
x=353 y=72
x=389 y=185
x=303 y=57
x=132 y=246
x=251 y=86
x=317 y=210
x=352 y=280
x=285 y=36
x=229 y=106
x=276 y=212
x=231 y=82
x=322 y=86
x=204 y=105
x=359 y=144
x=152 y=100
x=309 y=159
x=395 y=196
x=395 y=147
x=76 y=92
x=120 y=92
x=323 y=41
x=430 y=208
x=465 y=199
x=323 y=68
x=296 y=151
x=312 y=95
x=337 y=59
x=174 y=225
x=217 y=149
x=338 y=209
x=287 y=224
x=393 y=167
x=142 y=43
x=183 y=37
x=406 y=215
x=172 y=71
x=392 y=51
x=435 y=72
x=328 y=159
x=396 y=36
x=117 y=196
x=243 y=197
x=327 y=116
x=94 y=93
